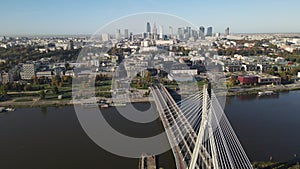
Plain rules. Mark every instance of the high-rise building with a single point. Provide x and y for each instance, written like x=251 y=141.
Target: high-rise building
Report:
x=180 y=33
x=148 y=28
x=201 y=32
x=161 y=29
x=126 y=34
x=105 y=37
x=71 y=45
x=194 y=34
x=227 y=31
x=209 y=31
x=188 y=32
x=154 y=31
x=171 y=31
x=118 y=34
x=131 y=36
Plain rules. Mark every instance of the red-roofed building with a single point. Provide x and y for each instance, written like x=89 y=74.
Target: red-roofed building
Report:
x=247 y=80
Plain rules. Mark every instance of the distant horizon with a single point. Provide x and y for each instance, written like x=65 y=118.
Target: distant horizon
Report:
x=90 y=34
x=61 y=17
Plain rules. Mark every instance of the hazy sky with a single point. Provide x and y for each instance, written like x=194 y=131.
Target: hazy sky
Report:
x=86 y=16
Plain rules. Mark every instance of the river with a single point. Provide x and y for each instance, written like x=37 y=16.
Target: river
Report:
x=267 y=126
x=53 y=138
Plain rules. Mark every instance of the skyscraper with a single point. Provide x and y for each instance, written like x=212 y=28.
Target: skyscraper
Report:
x=161 y=29
x=209 y=31
x=131 y=36
x=227 y=31
x=126 y=33
x=148 y=28
x=188 y=32
x=201 y=32
x=154 y=31
x=118 y=34
x=180 y=33
x=171 y=31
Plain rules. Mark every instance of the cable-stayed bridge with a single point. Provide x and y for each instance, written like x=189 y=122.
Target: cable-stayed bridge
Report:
x=199 y=133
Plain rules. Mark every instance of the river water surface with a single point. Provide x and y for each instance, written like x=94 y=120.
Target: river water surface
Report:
x=35 y=138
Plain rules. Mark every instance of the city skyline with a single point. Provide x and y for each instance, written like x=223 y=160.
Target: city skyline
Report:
x=68 y=17
x=148 y=84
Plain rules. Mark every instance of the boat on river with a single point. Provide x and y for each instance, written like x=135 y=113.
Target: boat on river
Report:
x=7 y=109
x=266 y=93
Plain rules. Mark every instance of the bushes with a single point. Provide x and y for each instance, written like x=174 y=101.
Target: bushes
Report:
x=23 y=100
x=104 y=94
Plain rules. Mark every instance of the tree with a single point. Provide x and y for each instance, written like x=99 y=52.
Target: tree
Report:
x=138 y=84
x=56 y=80
x=3 y=91
x=42 y=94
x=294 y=71
x=67 y=65
x=27 y=87
x=35 y=80
x=55 y=90
x=231 y=82
x=147 y=76
x=271 y=71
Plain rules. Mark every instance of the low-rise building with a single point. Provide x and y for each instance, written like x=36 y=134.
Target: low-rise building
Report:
x=4 y=77
x=70 y=73
x=268 y=79
x=48 y=74
x=185 y=71
x=249 y=67
x=232 y=68
x=180 y=77
x=263 y=67
x=246 y=80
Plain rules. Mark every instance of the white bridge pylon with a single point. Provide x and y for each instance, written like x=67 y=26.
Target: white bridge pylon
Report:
x=199 y=132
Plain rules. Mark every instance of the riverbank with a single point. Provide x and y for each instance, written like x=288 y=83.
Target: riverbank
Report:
x=35 y=102
x=277 y=165
x=235 y=91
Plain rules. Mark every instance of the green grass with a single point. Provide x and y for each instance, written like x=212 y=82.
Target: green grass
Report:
x=103 y=94
x=201 y=83
x=143 y=86
x=133 y=85
x=171 y=86
x=23 y=100
x=23 y=95
x=102 y=88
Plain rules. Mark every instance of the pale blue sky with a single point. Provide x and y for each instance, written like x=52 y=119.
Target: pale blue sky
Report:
x=86 y=16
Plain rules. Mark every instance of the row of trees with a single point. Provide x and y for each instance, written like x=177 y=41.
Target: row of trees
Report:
x=291 y=71
x=259 y=49
x=54 y=81
x=36 y=84
x=18 y=55
x=254 y=51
